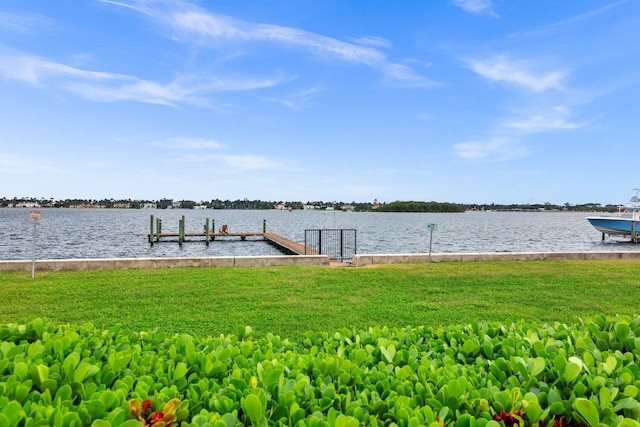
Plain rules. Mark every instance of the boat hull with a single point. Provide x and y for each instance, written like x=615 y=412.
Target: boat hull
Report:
x=615 y=226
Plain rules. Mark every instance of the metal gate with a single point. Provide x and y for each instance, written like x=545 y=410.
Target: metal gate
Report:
x=336 y=243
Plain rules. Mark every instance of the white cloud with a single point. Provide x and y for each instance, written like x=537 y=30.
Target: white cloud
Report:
x=556 y=119
x=476 y=6
x=13 y=164
x=248 y=162
x=109 y=87
x=502 y=69
x=296 y=100
x=209 y=29
x=184 y=143
x=426 y=116
x=495 y=149
x=373 y=41
x=28 y=23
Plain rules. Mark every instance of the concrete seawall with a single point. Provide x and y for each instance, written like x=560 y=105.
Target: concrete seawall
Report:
x=129 y=263
x=359 y=260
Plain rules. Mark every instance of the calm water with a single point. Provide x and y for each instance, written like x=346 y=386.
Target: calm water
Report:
x=115 y=233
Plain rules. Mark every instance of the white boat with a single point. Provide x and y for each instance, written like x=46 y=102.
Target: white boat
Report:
x=627 y=223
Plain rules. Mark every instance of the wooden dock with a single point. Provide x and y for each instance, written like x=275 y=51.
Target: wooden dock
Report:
x=288 y=246
x=242 y=235
x=208 y=235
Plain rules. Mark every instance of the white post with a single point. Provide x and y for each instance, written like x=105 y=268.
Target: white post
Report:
x=35 y=216
x=33 y=252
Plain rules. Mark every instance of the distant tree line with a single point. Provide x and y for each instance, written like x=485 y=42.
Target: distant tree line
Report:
x=397 y=206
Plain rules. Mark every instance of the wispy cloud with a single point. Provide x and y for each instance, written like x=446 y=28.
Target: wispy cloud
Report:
x=13 y=164
x=188 y=21
x=495 y=149
x=480 y=7
x=573 y=20
x=558 y=118
x=248 y=162
x=519 y=73
x=184 y=143
x=373 y=41
x=203 y=150
x=27 y=23
x=110 y=87
x=296 y=100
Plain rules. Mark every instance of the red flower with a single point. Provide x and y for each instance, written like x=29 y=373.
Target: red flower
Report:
x=155 y=417
x=146 y=405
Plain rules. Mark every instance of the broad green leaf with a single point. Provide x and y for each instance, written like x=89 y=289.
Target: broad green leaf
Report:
x=360 y=356
x=605 y=398
x=389 y=352
x=626 y=403
x=538 y=366
x=345 y=421
x=84 y=371
x=631 y=391
x=466 y=420
x=588 y=411
x=180 y=371
x=571 y=372
x=622 y=330
x=96 y=408
x=611 y=364
x=39 y=373
x=12 y=412
x=469 y=347
x=253 y=408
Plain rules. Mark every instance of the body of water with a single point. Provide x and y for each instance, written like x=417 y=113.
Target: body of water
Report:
x=123 y=233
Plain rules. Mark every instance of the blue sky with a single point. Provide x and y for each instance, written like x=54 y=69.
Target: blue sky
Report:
x=465 y=101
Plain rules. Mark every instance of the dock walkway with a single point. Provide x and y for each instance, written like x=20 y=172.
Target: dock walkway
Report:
x=287 y=245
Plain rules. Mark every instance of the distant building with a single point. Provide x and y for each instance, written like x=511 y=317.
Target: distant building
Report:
x=376 y=205
x=27 y=205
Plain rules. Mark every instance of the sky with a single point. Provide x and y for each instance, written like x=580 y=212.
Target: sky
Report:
x=462 y=101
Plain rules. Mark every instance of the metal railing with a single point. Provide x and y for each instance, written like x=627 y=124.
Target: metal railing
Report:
x=338 y=244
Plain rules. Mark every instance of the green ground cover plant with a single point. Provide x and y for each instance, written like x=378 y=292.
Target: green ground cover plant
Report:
x=483 y=375
x=288 y=301
x=549 y=343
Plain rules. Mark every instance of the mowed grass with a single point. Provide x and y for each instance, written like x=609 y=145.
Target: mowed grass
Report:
x=288 y=301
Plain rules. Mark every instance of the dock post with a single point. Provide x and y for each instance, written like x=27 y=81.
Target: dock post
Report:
x=603 y=237
x=181 y=231
x=264 y=225
x=158 y=229
x=151 y=230
x=206 y=231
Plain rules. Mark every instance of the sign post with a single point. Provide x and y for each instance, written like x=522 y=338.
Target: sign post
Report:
x=431 y=227
x=35 y=216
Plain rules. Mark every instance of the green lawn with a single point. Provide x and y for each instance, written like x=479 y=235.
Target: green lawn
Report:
x=289 y=301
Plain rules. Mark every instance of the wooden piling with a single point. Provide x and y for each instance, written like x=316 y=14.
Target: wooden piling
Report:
x=151 y=230
x=181 y=231
x=206 y=231
x=264 y=225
